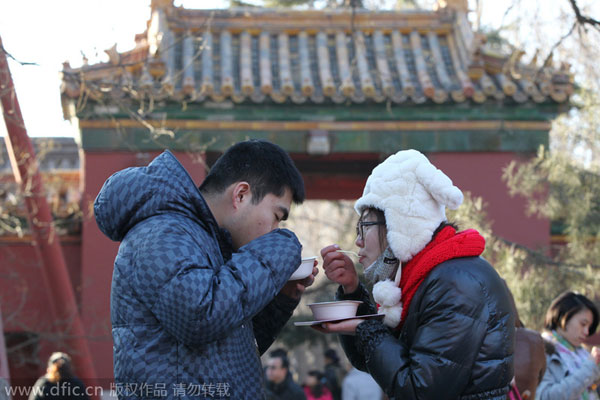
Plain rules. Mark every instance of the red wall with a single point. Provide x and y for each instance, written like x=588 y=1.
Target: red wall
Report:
x=481 y=174
x=478 y=173
x=24 y=300
x=98 y=252
x=23 y=292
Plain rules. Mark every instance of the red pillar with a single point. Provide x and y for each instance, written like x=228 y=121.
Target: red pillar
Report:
x=54 y=270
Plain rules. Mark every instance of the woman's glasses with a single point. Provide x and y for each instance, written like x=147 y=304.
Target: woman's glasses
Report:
x=360 y=227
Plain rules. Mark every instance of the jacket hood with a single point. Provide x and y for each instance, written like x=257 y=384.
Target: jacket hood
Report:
x=134 y=194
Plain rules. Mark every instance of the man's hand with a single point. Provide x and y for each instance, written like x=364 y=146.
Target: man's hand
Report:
x=347 y=327
x=294 y=289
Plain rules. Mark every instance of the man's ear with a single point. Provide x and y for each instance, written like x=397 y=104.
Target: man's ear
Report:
x=241 y=194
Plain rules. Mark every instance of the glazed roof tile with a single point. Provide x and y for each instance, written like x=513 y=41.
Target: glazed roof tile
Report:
x=56 y=153
x=336 y=56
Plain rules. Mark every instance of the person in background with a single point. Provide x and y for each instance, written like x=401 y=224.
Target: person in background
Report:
x=571 y=371
x=448 y=325
x=280 y=384
x=333 y=374
x=359 y=385
x=314 y=389
x=59 y=382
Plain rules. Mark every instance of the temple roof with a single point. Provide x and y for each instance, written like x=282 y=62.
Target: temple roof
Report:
x=317 y=56
x=58 y=160
x=53 y=154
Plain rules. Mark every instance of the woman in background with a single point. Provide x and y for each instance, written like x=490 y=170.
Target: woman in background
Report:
x=571 y=371
x=59 y=382
x=314 y=389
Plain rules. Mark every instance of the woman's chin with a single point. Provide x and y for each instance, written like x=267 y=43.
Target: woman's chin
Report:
x=365 y=262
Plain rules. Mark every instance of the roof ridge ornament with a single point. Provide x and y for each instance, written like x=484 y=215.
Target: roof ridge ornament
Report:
x=154 y=4
x=113 y=55
x=457 y=5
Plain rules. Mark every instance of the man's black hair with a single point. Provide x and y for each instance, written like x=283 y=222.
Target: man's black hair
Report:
x=332 y=355
x=264 y=165
x=282 y=355
x=278 y=352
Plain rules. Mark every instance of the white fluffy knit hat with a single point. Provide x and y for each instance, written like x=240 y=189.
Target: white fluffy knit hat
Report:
x=413 y=195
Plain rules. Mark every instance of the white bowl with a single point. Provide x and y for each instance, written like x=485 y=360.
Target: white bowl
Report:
x=334 y=309
x=304 y=270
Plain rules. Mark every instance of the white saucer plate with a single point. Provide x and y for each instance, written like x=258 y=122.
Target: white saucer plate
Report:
x=311 y=323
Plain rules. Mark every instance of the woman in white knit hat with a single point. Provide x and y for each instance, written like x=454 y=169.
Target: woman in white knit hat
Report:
x=448 y=330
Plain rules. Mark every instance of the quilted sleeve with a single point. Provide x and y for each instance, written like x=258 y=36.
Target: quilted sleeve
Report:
x=198 y=302
x=270 y=320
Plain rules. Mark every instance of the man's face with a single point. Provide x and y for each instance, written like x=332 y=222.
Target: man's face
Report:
x=255 y=220
x=276 y=373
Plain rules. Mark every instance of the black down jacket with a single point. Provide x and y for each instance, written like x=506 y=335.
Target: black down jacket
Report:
x=456 y=343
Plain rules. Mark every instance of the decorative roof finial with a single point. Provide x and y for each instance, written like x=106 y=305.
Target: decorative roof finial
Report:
x=549 y=62
x=458 y=5
x=84 y=59
x=154 y=4
x=113 y=55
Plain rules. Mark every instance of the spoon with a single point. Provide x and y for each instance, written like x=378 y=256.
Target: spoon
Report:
x=350 y=253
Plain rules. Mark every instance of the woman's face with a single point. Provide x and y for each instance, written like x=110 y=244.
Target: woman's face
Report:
x=311 y=380
x=577 y=328
x=368 y=238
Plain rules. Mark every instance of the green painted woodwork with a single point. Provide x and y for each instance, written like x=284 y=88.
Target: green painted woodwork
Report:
x=227 y=111
x=371 y=140
x=384 y=142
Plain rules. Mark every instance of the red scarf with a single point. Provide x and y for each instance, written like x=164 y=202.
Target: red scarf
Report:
x=446 y=245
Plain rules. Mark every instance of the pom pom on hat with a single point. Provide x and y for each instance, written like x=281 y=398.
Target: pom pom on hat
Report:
x=386 y=293
x=393 y=314
x=413 y=195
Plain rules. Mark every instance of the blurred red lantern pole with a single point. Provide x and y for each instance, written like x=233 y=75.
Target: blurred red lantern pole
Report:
x=47 y=244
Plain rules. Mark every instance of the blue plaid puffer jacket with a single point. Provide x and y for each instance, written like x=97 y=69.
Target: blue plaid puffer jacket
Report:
x=189 y=317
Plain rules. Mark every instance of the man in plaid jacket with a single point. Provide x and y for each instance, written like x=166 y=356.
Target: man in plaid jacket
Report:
x=200 y=284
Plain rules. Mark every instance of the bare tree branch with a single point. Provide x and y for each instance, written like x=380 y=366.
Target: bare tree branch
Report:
x=508 y=10
x=11 y=56
x=558 y=43
x=580 y=22
x=583 y=19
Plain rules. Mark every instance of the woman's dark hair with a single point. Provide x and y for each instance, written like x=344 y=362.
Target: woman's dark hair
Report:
x=59 y=367
x=565 y=306
x=264 y=165
x=316 y=390
x=332 y=355
x=442 y=226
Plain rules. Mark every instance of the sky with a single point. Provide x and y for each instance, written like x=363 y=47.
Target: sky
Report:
x=49 y=32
